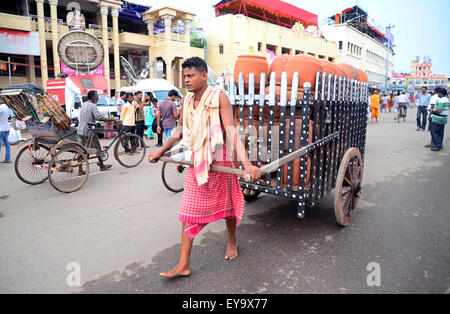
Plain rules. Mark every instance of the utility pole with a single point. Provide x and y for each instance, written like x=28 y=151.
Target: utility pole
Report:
x=388 y=48
x=9 y=70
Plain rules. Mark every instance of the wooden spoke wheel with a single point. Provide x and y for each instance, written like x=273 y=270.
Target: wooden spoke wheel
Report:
x=348 y=186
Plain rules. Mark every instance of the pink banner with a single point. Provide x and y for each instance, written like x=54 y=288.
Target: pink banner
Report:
x=65 y=69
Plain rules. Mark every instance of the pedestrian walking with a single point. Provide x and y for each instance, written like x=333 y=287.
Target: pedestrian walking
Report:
x=433 y=100
x=168 y=114
x=207 y=121
x=121 y=102
x=422 y=112
x=128 y=116
x=148 y=111
x=391 y=102
x=385 y=103
x=375 y=105
x=4 y=132
x=140 y=117
x=439 y=116
x=395 y=108
x=155 y=112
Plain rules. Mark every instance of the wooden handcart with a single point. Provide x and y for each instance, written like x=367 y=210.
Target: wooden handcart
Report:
x=307 y=140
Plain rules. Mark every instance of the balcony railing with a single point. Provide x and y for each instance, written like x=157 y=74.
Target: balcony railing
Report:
x=94 y=29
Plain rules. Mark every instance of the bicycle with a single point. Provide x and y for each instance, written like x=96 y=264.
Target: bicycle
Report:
x=402 y=109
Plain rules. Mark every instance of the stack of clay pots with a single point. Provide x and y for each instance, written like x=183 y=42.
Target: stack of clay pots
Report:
x=307 y=67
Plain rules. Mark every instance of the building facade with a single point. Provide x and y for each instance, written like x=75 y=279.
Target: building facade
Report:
x=31 y=30
x=231 y=35
x=421 y=76
x=361 y=45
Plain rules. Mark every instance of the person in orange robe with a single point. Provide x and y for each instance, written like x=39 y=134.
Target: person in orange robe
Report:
x=375 y=105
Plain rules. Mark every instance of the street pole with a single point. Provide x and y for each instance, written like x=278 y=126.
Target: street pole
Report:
x=387 y=60
x=9 y=70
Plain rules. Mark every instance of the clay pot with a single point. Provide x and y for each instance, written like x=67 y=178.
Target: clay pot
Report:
x=352 y=72
x=296 y=166
x=362 y=76
x=275 y=142
x=307 y=68
x=329 y=67
x=278 y=66
x=250 y=64
x=342 y=71
x=289 y=92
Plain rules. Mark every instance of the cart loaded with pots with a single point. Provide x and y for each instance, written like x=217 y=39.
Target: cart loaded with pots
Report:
x=304 y=125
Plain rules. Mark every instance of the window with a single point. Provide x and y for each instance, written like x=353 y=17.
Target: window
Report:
x=259 y=46
x=221 y=49
x=340 y=45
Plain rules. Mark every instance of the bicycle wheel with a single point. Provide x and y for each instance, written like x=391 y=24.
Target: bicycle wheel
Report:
x=173 y=176
x=129 y=150
x=68 y=170
x=31 y=166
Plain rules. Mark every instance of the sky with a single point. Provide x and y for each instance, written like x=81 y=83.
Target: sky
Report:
x=420 y=27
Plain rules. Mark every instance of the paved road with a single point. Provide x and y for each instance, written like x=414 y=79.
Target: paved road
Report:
x=122 y=230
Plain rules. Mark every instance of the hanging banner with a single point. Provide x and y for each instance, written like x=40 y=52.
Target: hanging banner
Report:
x=19 y=42
x=65 y=69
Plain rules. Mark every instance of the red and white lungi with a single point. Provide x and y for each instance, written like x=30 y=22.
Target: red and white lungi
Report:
x=220 y=198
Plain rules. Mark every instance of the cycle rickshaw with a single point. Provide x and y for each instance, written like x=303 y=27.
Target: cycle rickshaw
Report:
x=54 y=151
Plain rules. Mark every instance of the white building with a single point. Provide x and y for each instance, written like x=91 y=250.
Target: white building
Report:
x=363 y=50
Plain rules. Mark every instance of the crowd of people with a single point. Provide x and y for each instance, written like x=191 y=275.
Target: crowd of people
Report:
x=143 y=115
x=432 y=108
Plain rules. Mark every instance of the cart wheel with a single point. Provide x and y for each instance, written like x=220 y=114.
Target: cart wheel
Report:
x=250 y=195
x=69 y=170
x=31 y=166
x=348 y=186
x=129 y=150
x=173 y=176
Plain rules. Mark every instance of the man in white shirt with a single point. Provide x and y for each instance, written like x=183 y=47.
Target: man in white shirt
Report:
x=433 y=101
x=403 y=101
x=4 y=132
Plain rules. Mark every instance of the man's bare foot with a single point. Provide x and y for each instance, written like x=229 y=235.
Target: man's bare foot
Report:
x=181 y=271
x=232 y=250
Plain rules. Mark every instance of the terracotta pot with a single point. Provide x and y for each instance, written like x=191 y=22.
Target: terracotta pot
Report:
x=275 y=143
x=278 y=66
x=306 y=66
x=289 y=92
x=352 y=72
x=342 y=71
x=250 y=64
x=329 y=67
x=362 y=76
x=296 y=165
